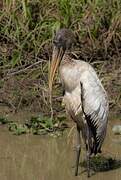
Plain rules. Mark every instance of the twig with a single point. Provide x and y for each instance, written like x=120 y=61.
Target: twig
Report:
x=25 y=69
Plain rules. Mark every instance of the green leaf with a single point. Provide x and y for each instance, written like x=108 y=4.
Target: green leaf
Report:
x=15 y=57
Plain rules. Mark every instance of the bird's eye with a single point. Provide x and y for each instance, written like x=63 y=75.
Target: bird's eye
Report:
x=55 y=42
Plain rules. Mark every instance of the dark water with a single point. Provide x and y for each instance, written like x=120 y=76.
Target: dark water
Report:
x=31 y=157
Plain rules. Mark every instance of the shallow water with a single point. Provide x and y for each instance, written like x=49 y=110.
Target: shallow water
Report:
x=31 y=157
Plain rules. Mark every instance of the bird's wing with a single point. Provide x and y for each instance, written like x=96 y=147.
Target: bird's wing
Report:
x=95 y=106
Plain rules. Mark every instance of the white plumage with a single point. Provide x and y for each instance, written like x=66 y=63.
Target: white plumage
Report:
x=95 y=100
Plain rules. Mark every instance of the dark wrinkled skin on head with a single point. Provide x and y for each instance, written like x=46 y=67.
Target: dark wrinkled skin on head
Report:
x=64 y=38
x=63 y=41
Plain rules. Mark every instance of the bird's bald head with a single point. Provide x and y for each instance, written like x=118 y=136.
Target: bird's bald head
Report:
x=64 y=38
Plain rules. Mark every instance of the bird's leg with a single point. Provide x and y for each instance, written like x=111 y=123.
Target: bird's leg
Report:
x=78 y=149
x=88 y=149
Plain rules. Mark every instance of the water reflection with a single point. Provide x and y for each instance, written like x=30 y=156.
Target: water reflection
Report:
x=29 y=157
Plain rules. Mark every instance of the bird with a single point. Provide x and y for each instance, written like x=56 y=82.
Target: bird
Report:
x=85 y=99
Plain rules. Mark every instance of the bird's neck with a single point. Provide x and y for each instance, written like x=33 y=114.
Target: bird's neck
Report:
x=66 y=58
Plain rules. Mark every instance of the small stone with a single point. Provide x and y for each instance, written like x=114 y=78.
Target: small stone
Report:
x=117 y=129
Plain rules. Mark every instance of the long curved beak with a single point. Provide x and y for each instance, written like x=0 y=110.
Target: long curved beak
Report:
x=56 y=58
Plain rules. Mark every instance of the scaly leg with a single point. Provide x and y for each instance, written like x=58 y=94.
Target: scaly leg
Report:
x=78 y=149
x=88 y=149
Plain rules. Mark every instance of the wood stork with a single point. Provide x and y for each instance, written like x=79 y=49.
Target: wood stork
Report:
x=85 y=99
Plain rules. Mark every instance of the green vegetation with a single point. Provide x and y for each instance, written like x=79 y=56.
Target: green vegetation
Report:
x=101 y=163
x=43 y=125
x=26 y=31
x=18 y=129
x=38 y=125
x=3 y=120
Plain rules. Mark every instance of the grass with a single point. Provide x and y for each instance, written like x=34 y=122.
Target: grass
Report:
x=26 y=31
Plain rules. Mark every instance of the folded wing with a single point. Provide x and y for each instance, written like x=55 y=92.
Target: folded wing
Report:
x=95 y=108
